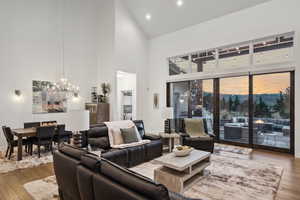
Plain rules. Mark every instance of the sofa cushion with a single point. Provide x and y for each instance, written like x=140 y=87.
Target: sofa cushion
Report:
x=140 y=127
x=134 y=181
x=100 y=142
x=91 y=162
x=71 y=151
x=129 y=135
x=99 y=131
x=136 y=155
x=153 y=149
x=118 y=156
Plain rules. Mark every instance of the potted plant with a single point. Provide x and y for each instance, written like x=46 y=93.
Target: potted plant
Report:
x=105 y=87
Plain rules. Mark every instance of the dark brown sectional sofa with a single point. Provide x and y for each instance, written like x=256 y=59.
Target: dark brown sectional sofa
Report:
x=83 y=176
x=97 y=137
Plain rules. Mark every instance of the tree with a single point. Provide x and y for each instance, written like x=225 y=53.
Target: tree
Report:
x=282 y=105
x=236 y=103
x=261 y=109
x=223 y=103
x=230 y=102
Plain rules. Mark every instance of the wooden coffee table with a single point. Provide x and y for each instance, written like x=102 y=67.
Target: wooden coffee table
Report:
x=179 y=173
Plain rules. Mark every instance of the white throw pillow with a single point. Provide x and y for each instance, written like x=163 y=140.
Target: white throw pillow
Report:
x=138 y=134
x=117 y=136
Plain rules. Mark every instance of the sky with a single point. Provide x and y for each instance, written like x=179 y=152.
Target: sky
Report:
x=262 y=84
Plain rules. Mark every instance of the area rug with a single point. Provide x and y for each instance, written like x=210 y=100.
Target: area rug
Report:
x=43 y=189
x=225 y=179
x=230 y=178
x=27 y=162
x=232 y=151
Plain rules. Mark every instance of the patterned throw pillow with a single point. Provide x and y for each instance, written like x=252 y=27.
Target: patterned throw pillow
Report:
x=129 y=135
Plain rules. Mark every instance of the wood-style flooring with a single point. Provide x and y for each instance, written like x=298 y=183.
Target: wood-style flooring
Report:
x=11 y=184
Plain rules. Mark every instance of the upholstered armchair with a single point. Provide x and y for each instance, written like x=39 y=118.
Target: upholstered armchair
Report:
x=204 y=142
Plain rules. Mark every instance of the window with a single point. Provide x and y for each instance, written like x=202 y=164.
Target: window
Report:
x=237 y=56
x=179 y=65
x=273 y=50
x=234 y=116
x=271 y=99
x=204 y=61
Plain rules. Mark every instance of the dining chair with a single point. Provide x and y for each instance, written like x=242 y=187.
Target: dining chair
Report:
x=62 y=135
x=11 y=143
x=44 y=137
x=31 y=125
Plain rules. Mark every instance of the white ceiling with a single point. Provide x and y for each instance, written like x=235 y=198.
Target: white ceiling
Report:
x=167 y=17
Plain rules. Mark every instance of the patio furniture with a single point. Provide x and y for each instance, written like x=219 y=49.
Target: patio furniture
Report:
x=232 y=132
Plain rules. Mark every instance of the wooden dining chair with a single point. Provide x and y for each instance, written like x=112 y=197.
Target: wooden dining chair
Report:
x=11 y=143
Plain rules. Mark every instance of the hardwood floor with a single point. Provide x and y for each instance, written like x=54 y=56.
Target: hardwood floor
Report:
x=11 y=184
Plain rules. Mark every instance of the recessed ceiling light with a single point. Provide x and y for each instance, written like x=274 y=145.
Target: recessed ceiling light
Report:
x=179 y=3
x=148 y=16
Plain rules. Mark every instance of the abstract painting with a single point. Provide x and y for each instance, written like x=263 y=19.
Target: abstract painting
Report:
x=47 y=98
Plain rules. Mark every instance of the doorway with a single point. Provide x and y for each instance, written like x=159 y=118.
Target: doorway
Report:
x=126 y=95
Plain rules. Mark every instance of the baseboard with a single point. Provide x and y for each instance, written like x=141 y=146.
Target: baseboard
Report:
x=297 y=155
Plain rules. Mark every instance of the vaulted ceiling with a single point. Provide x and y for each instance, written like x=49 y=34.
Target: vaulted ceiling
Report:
x=167 y=17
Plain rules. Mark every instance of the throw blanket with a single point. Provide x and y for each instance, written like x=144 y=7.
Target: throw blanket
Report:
x=115 y=136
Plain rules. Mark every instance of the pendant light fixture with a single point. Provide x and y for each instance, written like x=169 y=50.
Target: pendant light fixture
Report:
x=63 y=84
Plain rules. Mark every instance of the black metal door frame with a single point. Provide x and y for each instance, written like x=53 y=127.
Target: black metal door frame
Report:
x=216 y=113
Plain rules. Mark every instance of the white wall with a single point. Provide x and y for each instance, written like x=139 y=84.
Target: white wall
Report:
x=30 y=49
x=131 y=52
x=100 y=38
x=270 y=18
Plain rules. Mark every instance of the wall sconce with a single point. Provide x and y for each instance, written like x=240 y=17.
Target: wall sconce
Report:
x=75 y=97
x=18 y=97
x=18 y=93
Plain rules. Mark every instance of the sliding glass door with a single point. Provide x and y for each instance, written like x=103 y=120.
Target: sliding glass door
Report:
x=180 y=99
x=253 y=110
x=202 y=104
x=234 y=116
x=272 y=110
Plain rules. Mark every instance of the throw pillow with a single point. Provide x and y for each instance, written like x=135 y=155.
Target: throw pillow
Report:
x=129 y=135
x=117 y=136
x=195 y=127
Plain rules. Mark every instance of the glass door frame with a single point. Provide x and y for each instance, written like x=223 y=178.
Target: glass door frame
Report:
x=216 y=112
x=217 y=115
x=291 y=150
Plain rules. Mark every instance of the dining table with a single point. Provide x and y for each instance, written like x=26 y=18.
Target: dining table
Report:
x=20 y=133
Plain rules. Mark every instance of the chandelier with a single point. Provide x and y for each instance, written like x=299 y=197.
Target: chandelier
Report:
x=64 y=84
